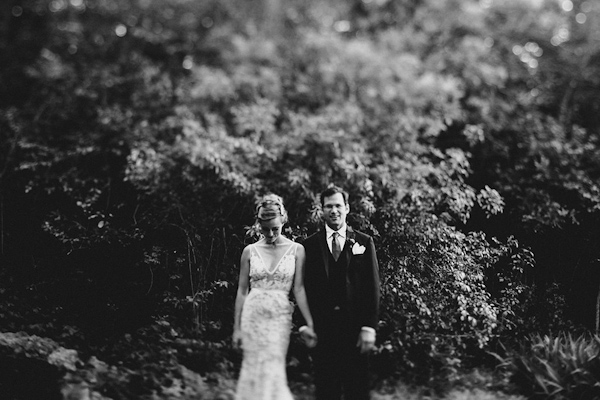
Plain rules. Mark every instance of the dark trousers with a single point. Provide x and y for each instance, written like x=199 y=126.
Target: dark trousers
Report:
x=339 y=367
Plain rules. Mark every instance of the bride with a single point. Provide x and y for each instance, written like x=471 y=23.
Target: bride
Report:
x=263 y=312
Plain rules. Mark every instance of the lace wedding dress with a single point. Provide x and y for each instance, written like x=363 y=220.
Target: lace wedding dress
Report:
x=266 y=323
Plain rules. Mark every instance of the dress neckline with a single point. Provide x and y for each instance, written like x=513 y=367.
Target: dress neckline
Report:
x=271 y=272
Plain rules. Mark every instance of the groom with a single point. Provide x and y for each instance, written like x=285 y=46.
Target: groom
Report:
x=342 y=285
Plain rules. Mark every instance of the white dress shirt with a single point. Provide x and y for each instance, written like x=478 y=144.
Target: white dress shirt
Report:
x=342 y=232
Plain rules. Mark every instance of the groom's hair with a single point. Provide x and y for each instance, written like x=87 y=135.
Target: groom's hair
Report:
x=331 y=190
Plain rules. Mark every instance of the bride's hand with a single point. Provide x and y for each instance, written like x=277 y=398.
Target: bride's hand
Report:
x=237 y=339
x=309 y=336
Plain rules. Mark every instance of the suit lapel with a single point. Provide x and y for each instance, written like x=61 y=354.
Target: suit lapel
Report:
x=324 y=251
x=347 y=250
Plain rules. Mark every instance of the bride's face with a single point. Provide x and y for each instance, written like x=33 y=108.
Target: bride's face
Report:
x=271 y=229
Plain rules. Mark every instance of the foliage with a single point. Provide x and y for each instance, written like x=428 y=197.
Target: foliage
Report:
x=150 y=371
x=438 y=315
x=556 y=367
x=35 y=347
x=144 y=364
x=402 y=391
x=548 y=179
x=142 y=132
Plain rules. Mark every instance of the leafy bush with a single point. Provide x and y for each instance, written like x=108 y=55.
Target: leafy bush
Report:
x=131 y=157
x=143 y=365
x=556 y=367
x=437 y=314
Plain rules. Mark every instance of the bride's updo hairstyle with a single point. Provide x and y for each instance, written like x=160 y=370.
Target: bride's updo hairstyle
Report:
x=269 y=207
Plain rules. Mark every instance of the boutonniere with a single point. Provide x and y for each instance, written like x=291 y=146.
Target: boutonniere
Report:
x=358 y=249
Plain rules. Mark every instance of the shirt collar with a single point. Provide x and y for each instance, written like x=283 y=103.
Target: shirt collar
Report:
x=341 y=231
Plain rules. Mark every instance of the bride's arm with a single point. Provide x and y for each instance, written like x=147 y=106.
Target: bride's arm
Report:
x=300 y=295
x=242 y=292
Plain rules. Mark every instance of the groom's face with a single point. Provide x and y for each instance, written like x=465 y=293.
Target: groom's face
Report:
x=335 y=211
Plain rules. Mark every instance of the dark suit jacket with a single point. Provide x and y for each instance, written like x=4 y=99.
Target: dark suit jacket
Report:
x=362 y=280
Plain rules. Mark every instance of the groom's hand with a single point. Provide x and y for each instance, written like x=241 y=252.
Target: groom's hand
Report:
x=366 y=341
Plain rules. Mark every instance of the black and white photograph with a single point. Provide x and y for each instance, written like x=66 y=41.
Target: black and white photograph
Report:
x=299 y=199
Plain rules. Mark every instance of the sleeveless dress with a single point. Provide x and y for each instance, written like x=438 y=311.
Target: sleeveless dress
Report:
x=266 y=322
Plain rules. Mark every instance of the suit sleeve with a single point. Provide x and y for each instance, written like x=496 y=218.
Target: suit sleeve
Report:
x=372 y=291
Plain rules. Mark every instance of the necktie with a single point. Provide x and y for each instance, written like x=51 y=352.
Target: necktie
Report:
x=335 y=246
